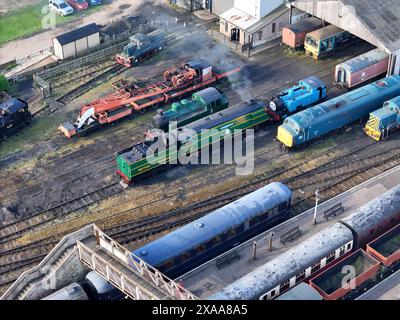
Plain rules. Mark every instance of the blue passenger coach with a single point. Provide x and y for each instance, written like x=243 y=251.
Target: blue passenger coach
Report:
x=218 y=231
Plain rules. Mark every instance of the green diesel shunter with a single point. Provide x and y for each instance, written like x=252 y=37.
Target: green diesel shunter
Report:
x=146 y=157
x=201 y=104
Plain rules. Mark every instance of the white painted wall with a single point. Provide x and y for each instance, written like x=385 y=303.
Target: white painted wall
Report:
x=81 y=45
x=94 y=40
x=58 y=51
x=257 y=8
x=69 y=50
x=397 y=64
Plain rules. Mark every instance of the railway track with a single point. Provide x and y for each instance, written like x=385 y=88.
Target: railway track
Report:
x=334 y=183
x=14 y=230
x=255 y=80
x=139 y=232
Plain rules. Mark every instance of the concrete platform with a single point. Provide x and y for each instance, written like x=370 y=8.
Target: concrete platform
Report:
x=208 y=278
x=388 y=289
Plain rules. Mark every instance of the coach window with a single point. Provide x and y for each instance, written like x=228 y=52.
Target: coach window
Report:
x=330 y=258
x=282 y=206
x=253 y=221
x=273 y=27
x=285 y=285
x=185 y=256
x=200 y=249
x=301 y=276
x=348 y=246
x=272 y=293
x=260 y=33
x=167 y=265
x=239 y=228
x=231 y=233
x=315 y=267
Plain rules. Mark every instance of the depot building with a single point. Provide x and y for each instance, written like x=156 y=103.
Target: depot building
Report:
x=375 y=21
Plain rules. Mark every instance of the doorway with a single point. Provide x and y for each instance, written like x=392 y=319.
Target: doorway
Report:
x=235 y=34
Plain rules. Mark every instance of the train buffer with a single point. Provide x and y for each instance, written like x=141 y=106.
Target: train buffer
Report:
x=333 y=210
x=227 y=258
x=291 y=235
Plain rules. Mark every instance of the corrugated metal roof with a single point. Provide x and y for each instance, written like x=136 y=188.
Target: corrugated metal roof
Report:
x=77 y=34
x=380 y=17
x=239 y=18
x=305 y=24
x=325 y=32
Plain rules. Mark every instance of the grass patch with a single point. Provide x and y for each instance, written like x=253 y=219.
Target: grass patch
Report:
x=42 y=129
x=28 y=20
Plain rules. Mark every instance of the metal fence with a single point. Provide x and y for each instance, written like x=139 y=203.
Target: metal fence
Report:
x=138 y=268
x=112 y=47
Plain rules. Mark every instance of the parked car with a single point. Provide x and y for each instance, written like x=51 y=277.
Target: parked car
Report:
x=60 y=7
x=78 y=4
x=95 y=2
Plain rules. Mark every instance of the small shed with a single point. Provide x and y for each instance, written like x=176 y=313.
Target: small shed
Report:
x=75 y=42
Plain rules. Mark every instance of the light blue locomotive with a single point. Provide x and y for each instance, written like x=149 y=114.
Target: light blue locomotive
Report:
x=197 y=242
x=306 y=93
x=384 y=121
x=338 y=112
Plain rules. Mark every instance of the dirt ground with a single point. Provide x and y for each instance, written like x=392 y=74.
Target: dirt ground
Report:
x=113 y=9
x=11 y=5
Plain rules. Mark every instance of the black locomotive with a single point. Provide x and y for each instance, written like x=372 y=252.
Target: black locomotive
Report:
x=14 y=115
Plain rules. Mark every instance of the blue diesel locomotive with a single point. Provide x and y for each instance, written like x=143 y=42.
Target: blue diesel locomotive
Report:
x=336 y=113
x=189 y=246
x=306 y=93
x=384 y=121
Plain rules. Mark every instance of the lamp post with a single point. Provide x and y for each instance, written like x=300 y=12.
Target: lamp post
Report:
x=317 y=194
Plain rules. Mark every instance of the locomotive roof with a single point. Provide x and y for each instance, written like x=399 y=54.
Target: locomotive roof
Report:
x=214 y=223
x=305 y=24
x=198 y=64
x=218 y=118
x=306 y=117
x=314 y=82
x=388 y=109
x=12 y=105
x=286 y=265
x=365 y=60
x=325 y=32
x=208 y=95
x=370 y=215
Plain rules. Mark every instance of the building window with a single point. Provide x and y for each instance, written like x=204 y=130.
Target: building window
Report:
x=226 y=26
x=273 y=27
x=260 y=33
